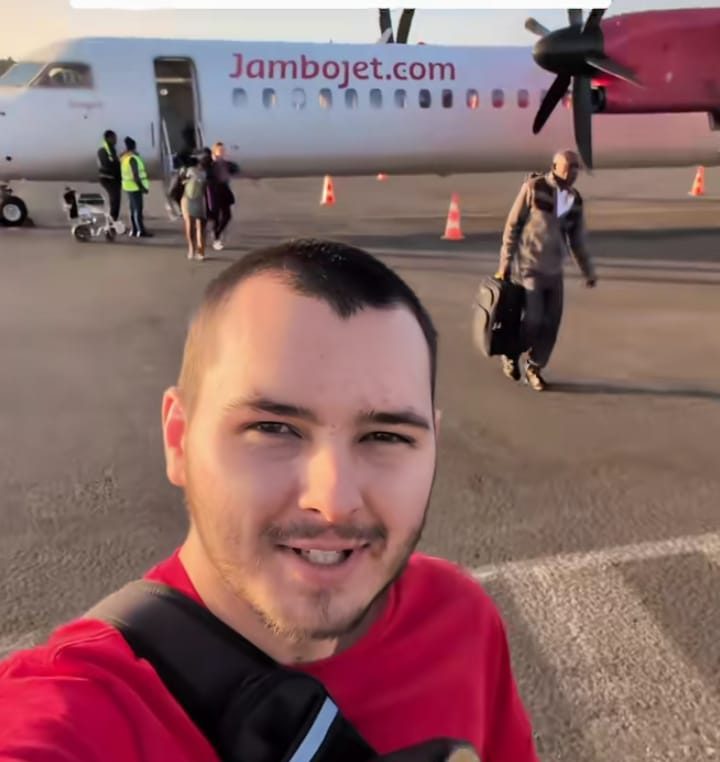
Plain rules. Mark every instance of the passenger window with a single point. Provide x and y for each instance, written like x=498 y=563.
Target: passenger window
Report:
x=239 y=97
x=325 y=98
x=425 y=99
x=269 y=98
x=400 y=98
x=351 y=98
x=523 y=98
x=66 y=75
x=447 y=98
x=498 y=98
x=376 y=98
x=472 y=99
x=298 y=98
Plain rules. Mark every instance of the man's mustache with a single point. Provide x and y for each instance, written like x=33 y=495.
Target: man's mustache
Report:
x=298 y=531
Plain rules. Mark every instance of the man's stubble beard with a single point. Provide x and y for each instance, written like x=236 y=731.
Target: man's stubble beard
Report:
x=232 y=577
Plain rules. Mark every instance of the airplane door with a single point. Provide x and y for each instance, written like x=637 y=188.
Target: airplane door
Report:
x=179 y=106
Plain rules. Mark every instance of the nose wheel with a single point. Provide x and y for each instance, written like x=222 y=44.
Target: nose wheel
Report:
x=13 y=211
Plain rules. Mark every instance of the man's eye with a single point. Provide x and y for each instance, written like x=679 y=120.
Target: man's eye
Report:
x=388 y=438
x=271 y=427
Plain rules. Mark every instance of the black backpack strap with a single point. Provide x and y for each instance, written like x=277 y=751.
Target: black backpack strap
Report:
x=197 y=656
x=249 y=707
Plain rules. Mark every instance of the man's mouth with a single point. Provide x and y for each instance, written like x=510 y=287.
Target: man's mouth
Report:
x=324 y=557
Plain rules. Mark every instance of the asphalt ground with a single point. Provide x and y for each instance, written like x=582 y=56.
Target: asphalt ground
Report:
x=590 y=512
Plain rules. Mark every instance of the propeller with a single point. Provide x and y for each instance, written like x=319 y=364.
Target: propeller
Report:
x=576 y=54
x=386 y=33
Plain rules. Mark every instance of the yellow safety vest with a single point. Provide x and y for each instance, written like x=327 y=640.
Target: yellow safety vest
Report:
x=126 y=173
x=106 y=146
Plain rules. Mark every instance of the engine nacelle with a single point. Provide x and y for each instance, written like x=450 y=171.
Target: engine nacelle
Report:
x=676 y=56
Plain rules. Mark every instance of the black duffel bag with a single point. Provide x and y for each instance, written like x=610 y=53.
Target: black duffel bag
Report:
x=497 y=318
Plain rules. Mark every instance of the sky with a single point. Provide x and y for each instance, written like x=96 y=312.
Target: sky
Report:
x=21 y=31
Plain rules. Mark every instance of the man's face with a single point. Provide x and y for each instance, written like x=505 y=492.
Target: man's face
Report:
x=310 y=455
x=219 y=152
x=112 y=139
x=566 y=167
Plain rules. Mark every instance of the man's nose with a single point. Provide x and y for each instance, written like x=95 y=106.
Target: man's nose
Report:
x=331 y=484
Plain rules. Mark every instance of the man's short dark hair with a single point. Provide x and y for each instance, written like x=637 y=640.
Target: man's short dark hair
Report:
x=108 y=134
x=346 y=278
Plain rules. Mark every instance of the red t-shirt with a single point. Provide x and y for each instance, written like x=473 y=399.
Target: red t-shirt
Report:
x=435 y=663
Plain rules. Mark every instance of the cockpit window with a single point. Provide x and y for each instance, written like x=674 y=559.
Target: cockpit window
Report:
x=20 y=74
x=65 y=75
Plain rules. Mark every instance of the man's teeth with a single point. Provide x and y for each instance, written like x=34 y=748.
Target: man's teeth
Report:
x=325 y=557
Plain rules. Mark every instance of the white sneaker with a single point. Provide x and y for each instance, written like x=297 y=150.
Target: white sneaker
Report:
x=191 y=254
x=218 y=245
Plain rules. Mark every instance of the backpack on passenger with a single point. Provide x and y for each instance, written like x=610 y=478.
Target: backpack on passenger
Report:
x=249 y=707
x=194 y=185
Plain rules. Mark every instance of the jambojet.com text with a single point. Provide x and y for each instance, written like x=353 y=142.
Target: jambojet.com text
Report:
x=345 y=71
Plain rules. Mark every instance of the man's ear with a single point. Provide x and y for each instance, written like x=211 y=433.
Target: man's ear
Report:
x=174 y=424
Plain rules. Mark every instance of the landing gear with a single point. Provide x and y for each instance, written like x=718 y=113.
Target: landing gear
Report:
x=13 y=211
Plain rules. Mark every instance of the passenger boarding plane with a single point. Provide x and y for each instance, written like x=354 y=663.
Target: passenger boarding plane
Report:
x=651 y=79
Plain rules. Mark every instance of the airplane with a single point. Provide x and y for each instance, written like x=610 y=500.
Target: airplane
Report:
x=649 y=81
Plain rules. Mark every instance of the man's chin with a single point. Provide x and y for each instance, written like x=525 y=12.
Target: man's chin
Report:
x=323 y=619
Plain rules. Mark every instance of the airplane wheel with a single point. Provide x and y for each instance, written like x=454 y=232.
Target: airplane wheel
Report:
x=82 y=233
x=13 y=211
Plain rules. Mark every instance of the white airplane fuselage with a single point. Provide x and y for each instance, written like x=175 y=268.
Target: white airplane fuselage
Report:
x=269 y=103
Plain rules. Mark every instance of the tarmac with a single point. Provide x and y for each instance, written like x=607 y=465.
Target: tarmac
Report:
x=589 y=512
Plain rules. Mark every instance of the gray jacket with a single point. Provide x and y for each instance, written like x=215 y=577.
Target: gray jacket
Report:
x=538 y=237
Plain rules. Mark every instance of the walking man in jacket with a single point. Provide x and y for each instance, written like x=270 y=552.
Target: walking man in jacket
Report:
x=545 y=221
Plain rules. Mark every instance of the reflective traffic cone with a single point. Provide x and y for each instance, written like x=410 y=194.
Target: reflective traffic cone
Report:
x=328 y=192
x=698 y=186
x=452 y=226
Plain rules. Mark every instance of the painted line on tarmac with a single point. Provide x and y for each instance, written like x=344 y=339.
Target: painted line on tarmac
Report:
x=635 y=693
x=708 y=543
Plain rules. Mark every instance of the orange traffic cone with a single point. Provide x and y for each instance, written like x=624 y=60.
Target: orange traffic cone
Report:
x=328 y=192
x=452 y=226
x=698 y=186
x=382 y=176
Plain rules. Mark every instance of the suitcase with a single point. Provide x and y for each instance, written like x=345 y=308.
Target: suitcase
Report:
x=497 y=320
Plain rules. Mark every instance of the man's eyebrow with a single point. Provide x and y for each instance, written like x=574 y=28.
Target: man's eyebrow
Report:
x=274 y=407
x=260 y=404
x=395 y=418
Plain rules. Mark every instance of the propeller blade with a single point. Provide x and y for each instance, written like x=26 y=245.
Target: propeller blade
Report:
x=553 y=96
x=582 y=118
x=536 y=27
x=575 y=16
x=385 y=37
x=593 y=20
x=404 y=26
x=612 y=67
x=385 y=24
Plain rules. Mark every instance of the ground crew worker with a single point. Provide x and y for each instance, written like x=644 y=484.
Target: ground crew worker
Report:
x=135 y=184
x=546 y=219
x=109 y=172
